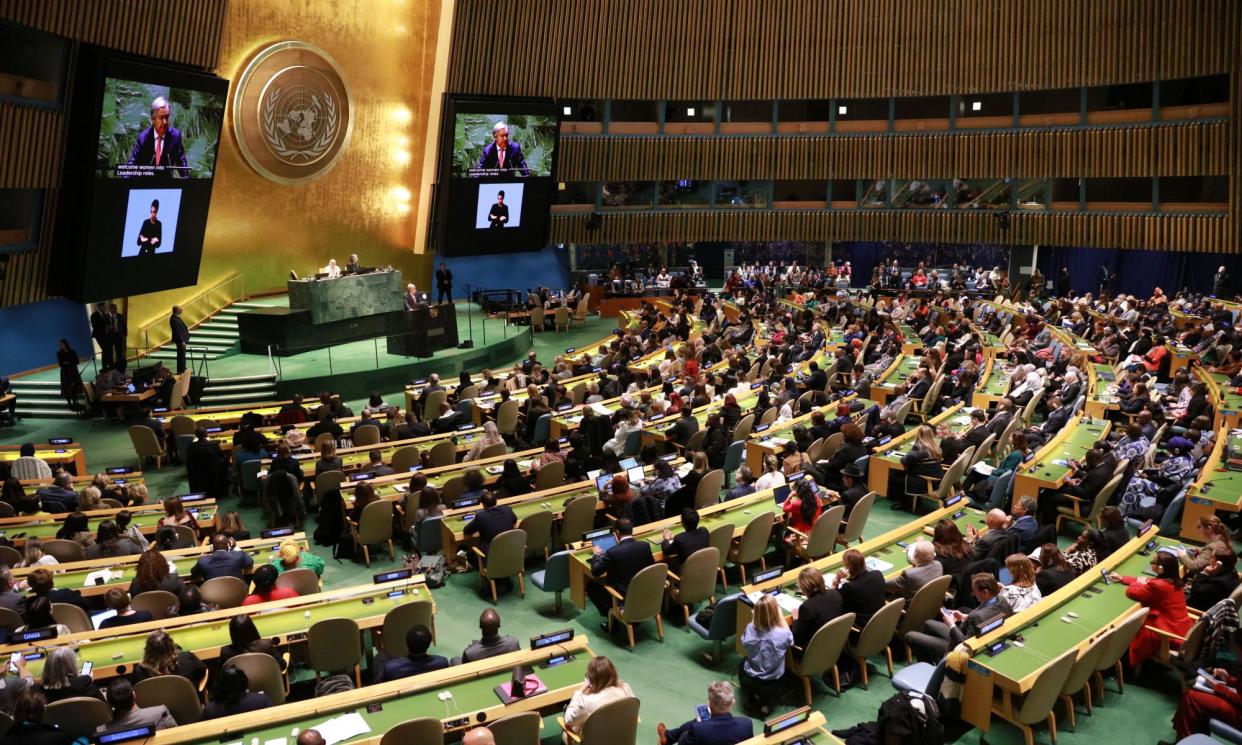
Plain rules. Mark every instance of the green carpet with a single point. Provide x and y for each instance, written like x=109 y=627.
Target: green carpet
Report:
x=670 y=677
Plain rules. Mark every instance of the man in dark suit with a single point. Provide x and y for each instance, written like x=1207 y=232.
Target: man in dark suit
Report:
x=720 y=728
x=160 y=145
x=416 y=661
x=996 y=520
x=411 y=429
x=686 y=426
x=498 y=216
x=1059 y=413
x=120 y=330
x=620 y=563
x=151 y=233
x=951 y=447
x=676 y=549
x=491 y=521
x=503 y=155
x=444 y=283
x=60 y=496
x=180 y=336
x=101 y=331
x=818 y=379
x=938 y=637
x=1002 y=418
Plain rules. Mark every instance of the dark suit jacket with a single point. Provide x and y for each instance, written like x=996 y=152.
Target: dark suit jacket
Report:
x=814 y=613
x=864 y=596
x=180 y=332
x=677 y=550
x=514 y=160
x=976 y=619
x=985 y=543
x=444 y=278
x=622 y=562
x=173 y=155
x=999 y=422
x=683 y=428
x=720 y=729
x=1092 y=482
x=490 y=523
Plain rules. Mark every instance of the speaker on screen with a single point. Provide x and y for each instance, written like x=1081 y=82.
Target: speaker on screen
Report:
x=496 y=165
x=139 y=164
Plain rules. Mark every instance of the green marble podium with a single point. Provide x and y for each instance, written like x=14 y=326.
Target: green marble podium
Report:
x=351 y=296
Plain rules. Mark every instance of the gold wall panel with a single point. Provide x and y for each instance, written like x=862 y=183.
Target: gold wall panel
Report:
x=1195 y=149
x=386 y=49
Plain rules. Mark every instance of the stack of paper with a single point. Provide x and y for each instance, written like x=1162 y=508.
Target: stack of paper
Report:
x=343 y=728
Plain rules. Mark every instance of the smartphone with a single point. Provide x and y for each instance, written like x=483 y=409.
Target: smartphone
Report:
x=1107 y=579
x=87 y=667
x=701 y=713
x=13 y=660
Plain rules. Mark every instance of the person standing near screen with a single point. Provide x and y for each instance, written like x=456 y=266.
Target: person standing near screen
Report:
x=180 y=336
x=444 y=282
x=160 y=145
x=503 y=155
x=151 y=232
x=101 y=332
x=120 y=332
x=499 y=214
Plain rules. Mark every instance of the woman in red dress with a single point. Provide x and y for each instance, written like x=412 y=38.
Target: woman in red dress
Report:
x=1167 y=601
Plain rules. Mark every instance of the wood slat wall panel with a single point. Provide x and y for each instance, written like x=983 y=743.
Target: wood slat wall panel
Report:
x=26 y=278
x=188 y=33
x=766 y=49
x=30 y=146
x=1197 y=233
x=1192 y=149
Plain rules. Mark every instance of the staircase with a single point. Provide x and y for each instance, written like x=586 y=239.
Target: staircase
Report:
x=41 y=398
x=239 y=391
x=217 y=336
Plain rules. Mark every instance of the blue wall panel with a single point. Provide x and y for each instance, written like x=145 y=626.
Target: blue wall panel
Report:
x=29 y=333
x=517 y=271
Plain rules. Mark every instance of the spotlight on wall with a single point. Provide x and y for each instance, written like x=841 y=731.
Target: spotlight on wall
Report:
x=843 y=110
x=976 y=106
x=689 y=111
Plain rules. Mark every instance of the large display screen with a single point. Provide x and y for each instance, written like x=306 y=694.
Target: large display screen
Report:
x=496 y=175
x=141 y=159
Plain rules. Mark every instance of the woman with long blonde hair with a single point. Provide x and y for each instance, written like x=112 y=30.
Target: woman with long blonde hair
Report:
x=766 y=639
x=603 y=685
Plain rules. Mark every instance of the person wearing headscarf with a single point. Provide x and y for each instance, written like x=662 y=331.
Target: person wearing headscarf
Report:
x=1151 y=490
x=491 y=436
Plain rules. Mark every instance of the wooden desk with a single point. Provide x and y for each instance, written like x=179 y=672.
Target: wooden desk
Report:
x=1047 y=470
x=737 y=512
x=471 y=685
x=137 y=397
x=72 y=456
x=1217 y=489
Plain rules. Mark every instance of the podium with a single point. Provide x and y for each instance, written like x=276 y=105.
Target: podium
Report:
x=348 y=297
x=423 y=330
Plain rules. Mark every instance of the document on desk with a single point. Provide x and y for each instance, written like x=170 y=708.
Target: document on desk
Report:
x=339 y=729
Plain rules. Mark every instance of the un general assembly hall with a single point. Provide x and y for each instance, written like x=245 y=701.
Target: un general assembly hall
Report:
x=620 y=372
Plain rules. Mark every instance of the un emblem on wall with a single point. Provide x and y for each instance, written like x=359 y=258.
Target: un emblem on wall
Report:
x=292 y=112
